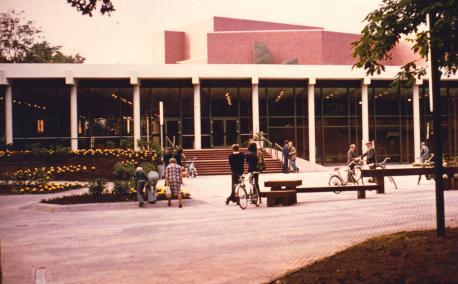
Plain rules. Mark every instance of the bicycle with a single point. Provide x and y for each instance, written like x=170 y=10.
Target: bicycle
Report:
x=191 y=170
x=337 y=179
x=241 y=191
x=382 y=165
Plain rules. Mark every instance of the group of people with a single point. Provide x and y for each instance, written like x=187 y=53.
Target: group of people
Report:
x=171 y=171
x=289 y=157
x=256 y=164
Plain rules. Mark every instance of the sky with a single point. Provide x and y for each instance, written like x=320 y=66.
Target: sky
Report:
x=126 y=35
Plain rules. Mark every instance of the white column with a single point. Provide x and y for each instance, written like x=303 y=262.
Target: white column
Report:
x=197 y=128
x=365 y=112
x=136 y=110
x=416 y=122
x=311 y=114
x=9 y=114
x=255 y=104
x=74 y=117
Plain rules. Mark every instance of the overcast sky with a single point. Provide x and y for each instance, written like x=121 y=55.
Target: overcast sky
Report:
x=121 y=38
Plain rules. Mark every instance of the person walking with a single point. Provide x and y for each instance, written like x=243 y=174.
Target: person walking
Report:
x=140 y=181
x=285 y=152
x=251 y=158
x=167 y=156
x=174 y=179
x=293 y=156
x=236 y=161
x=179 y=156
x=424 y=152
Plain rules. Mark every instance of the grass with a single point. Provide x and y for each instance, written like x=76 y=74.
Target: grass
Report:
x=405 y=257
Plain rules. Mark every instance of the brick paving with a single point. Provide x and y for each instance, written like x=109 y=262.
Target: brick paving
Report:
x=206 y=241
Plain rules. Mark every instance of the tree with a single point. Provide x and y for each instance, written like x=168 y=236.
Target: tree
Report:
x=86 y=7
x=407 y=18
x=16 y=36
x=20 y=42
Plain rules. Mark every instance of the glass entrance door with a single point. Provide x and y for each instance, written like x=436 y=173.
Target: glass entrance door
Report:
x=173 y=131
x=224 y=132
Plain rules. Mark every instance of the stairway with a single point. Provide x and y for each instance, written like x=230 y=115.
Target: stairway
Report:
x=215 y=161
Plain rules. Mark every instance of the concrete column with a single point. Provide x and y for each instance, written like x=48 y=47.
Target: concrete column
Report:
x=311 y=114
x=9 y=114
x=416 y=121
x=365 y=111
x=136 y=111
x=255 y=104
x=197 y=115
x=74 y=117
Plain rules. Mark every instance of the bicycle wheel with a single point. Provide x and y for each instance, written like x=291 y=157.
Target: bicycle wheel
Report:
x=335 y=180
x=392 y=180
x=242 y=196
x=254 y=195
x=357 y=174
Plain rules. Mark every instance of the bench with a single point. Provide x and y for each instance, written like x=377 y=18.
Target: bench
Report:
x=379 y=175
x=361 y=189
x=283 y=197
x=283 y=184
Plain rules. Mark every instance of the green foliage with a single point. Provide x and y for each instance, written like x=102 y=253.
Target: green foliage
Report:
x=147 y=167
x=61 y=151
x=396 y=19
x=110 y=144
x=20 y=42
x=123 y=172
x=39 y=151
x=87 y=7
x=122 y=187
x=97 y=186
x=125 y=143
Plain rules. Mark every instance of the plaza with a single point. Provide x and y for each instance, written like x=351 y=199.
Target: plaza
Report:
x=204 y=242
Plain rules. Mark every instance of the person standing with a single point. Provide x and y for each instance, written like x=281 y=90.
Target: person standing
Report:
x=352 y=159
x=293 y=156
x=174 y=179
x=285 y=152
x=179 y=156
x=167 y=156
x=424 y=152
x=370 y=157
x=236 y=161
x=251 y=158
x=140 y=181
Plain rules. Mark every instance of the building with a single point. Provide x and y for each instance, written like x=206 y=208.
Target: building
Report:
x=310 y=95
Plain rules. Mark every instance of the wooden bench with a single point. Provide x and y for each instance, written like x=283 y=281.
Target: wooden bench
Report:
x=380 y=174
x=282 y=184
x=361 y=189
x=283 y=197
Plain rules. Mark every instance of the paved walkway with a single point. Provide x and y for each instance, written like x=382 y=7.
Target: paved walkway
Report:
x=204 y=242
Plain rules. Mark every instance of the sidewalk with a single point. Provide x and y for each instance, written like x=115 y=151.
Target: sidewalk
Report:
x=206 y=241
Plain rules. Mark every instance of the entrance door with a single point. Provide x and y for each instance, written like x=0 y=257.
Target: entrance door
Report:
x=173 y=131
x=225 y=132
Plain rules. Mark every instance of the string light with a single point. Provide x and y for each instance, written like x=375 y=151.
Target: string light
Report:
x=121 y=99
x=27 y=104
x=280 y=95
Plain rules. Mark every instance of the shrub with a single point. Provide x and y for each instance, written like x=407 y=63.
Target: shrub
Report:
x=147 y=167
x=97 y=186
x=39 y=150
x=123 y=172
x=61 y=151
x=110 y=144
x=125 y=143
x=122 y=187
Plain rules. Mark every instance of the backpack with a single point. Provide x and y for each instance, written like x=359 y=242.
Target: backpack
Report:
x=261 y=162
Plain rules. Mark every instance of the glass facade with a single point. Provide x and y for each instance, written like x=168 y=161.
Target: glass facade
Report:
x=283 y=109
x=105 y=114
x=337 y=118
x=40 y=112
x=177 y=98
x=226 y=112
x=391 y=121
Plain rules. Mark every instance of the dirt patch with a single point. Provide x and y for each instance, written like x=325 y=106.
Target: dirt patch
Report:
x=406 y=257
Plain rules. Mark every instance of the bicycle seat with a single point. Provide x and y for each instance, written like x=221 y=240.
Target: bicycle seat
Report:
x=336 y=169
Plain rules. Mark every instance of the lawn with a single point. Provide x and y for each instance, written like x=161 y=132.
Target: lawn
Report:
x=406 y=257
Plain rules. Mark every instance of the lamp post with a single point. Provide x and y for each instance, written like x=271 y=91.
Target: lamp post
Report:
x=161 y=123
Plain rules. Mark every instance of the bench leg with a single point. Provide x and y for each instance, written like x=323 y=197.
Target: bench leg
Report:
x=361 y=194
x=380 y=181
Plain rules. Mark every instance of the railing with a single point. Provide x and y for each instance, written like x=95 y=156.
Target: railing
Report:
x=272 y=148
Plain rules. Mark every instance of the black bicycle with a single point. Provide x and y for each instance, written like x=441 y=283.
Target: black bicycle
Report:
x=242 y=195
